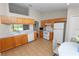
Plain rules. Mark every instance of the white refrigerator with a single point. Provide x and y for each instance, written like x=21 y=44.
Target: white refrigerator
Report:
x=58 y=34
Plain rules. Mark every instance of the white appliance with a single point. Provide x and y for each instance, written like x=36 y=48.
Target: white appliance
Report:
x=30 y=37
x=58 y=34
x=46 y=35
x=31 y=34
x=49 y=28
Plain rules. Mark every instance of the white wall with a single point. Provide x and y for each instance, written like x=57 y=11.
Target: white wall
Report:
x=34 y=14
x=72 y=12
x=53 y=14
x=4 y=10
x=4 y=28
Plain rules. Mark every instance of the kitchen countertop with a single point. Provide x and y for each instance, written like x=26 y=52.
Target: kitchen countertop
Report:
x=15 y=33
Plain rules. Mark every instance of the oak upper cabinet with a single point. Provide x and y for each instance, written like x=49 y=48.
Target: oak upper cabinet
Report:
x=19 y=20
x=28 y=21
x=0 y=20
x=15 y=20
x=42 y=23
x=12 y=20
x=7 y=43
x=24 y=21
x=8 y=20
x=4 y=20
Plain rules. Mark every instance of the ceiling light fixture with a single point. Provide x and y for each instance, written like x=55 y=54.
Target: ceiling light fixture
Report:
x=68 y=3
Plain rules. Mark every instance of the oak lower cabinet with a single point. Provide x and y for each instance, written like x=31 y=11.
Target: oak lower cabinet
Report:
x=41 y=34
x=20 y=39
x=12 y=42
x=24 y=39
x=7 y=43
x=35 y=35
x=17 y=40
x=0 y=45
x=51 y=36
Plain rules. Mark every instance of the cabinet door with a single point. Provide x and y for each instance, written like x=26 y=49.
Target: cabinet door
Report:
x=41 y=34
x=27 y=21
x=0 y=19
x=4 y=20
x=35 y=35
x=19 y=20
x=51 y=36
x=17 y=40
x=0 y=45
x=12 y=20
x=7 y=43
x=24 y=39
x=20 y=39
x=8 y=20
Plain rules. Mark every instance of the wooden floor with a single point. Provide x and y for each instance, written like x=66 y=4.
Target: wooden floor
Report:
x=35 y=48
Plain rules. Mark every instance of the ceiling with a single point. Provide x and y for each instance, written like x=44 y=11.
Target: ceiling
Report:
x=46 y=7
x=74 y=5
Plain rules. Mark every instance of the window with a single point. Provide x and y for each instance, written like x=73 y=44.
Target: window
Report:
x=25 y=27
x=20 y=27
x=17 y=27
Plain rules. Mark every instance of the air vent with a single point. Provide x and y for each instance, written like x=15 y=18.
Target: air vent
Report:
x=18 y=8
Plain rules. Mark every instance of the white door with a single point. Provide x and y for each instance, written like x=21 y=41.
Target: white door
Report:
x=73 y=26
